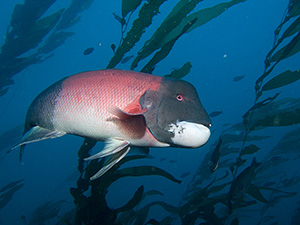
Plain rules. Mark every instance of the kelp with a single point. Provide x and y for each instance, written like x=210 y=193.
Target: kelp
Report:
x=176 y=24
x=255 y=192
x=28 y=29
x=25 y=15
x=141 y=215
x=143 y=171
x=171 y=21
x=94 y=207
x=129 y=6
x=33 y=36
x=281 y=80
x=71 y=15
x=284 y=112
x=288 y=116
x=8 y=191
x=164 y=51
x=289 y=143
x=47 y=211
x=54 y=41
x=146 y=14
x=249 y=150
x=138 y=196
x=202 y=16
x=287 y=51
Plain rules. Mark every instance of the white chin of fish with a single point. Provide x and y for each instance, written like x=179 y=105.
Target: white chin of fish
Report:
x=190 y=135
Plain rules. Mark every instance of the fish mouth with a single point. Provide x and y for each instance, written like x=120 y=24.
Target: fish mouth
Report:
x=188 y=134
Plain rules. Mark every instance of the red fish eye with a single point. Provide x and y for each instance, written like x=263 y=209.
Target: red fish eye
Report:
x=180 y=97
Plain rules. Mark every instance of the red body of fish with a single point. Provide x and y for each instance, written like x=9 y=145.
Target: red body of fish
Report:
x=88 y=103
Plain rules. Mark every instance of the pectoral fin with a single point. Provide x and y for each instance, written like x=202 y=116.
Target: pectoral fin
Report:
x=116 y=149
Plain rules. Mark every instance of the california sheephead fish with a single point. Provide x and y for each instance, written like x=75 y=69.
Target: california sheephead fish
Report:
x=122 y=108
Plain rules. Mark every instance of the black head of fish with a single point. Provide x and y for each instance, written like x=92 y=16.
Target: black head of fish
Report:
x=175 y=114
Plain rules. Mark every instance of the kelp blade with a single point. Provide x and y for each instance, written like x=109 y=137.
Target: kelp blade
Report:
x=144 y=171
x=129 y=5
x=146 y=13
x=170 y=22
x=281 y=80
x=181 y=72
x=287 y=51
x=203 y=16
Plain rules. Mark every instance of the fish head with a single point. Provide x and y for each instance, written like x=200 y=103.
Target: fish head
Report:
x=175 y=114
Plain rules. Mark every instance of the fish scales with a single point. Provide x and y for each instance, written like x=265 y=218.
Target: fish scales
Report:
x=86 y=100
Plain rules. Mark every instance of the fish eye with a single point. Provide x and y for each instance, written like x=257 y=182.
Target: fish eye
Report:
x=180 y=97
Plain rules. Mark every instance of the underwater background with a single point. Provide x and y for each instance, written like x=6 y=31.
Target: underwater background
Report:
x=241 y=55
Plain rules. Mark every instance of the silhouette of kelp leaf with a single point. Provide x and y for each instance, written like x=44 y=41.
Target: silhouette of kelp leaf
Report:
x=165 y=50
x=287 y=51
x=25 y=15
x=242 y=204
x=45 y=212
x=146 y=13
x=217 y=188
x=203 y=16
x=254 y=191
x=71 y=14
x=279 y=191
x=171 y=21
x=250 y=149
x=281 y=80
x=176 y=22
x=284 y=112
x=247 y=117
x=54 y=41
x=294 y=8
x=8 y=191
x=95 y=165
x=288 y=144
x=141 y=215
x=129 y=6
x=115 y=173
x=292 y=29
x=34 y=35
x=181 y=72
x=10 y=185
x=144 y=171
x=136 y=199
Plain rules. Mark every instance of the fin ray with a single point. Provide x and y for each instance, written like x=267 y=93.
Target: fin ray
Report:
x=38 y=133
x=113 y=160
x=112 y=146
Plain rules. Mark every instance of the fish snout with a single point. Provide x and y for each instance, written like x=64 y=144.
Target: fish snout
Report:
x=188 y=134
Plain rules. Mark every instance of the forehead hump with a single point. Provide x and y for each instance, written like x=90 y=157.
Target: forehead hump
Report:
x=172 y=87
